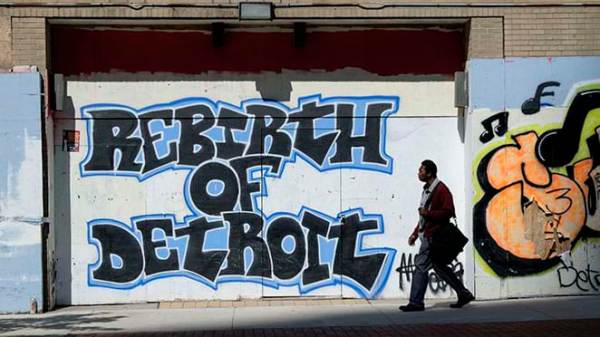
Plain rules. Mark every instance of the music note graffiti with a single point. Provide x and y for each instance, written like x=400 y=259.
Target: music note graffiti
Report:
x=488 y=134
x=532 y=105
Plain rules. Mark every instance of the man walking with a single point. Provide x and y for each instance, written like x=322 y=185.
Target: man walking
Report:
x=435 y=210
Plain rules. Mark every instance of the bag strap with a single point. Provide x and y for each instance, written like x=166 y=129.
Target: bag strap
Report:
x=430 y=196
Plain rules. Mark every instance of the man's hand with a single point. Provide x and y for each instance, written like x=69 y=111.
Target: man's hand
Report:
x=423 y=211
x=411 y=240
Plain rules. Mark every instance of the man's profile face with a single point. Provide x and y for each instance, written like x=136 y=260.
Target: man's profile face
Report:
x=423 y=175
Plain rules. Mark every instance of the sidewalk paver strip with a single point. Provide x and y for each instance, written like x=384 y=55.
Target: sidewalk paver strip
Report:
x=555 y=328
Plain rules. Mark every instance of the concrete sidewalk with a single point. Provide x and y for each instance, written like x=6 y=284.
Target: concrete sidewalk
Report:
x=299 y=315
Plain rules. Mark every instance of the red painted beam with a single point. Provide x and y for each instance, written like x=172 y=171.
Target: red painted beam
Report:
x=385 y=52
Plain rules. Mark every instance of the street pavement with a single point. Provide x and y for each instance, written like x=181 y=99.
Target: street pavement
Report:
x=554 y=316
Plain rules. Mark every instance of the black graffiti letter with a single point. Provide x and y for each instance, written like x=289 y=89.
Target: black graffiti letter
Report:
x=151 y=160
x=117 y=241
x=112 y=130
x=286 y=265
x=239 y=239
x=206 y=264
x=370 y=142
x=241 y=166
x=281 y=143
x=230 y=120
x=153 y=263
x=305 y=142
x=557 y=147
x=362 y=269
x=593 y=143
x=194 y=148
x=214 y=204
x=315 y=271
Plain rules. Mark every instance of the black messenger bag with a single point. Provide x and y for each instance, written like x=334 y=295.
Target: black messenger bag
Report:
x=446 y=243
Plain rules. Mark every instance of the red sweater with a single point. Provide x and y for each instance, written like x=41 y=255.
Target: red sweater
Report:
x=441 y=210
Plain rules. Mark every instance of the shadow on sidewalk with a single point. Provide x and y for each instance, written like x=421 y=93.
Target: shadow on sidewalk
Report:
x=70 y=322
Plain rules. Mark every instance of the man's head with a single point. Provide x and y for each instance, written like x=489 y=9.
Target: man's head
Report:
x=427 y=171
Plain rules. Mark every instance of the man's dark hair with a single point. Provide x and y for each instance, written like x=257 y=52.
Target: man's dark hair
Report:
x=430 y=167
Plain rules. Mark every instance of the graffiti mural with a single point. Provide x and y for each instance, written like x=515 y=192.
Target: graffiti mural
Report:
x=228 y=153
x=539 y=188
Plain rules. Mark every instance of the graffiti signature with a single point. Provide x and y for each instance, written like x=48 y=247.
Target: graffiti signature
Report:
x=586 y=279
x=436 y=284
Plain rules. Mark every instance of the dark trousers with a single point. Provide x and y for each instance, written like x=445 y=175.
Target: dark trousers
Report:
x=423 y=264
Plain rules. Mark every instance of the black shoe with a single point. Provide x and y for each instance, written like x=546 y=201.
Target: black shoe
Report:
x=412 y=307
x=462 y=301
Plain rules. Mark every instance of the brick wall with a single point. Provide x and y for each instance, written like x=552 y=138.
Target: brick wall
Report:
x=29 y=41
x=553 y=32
x=507 y=31
x=372 y=3
x=486 y=38
x=5 y=43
